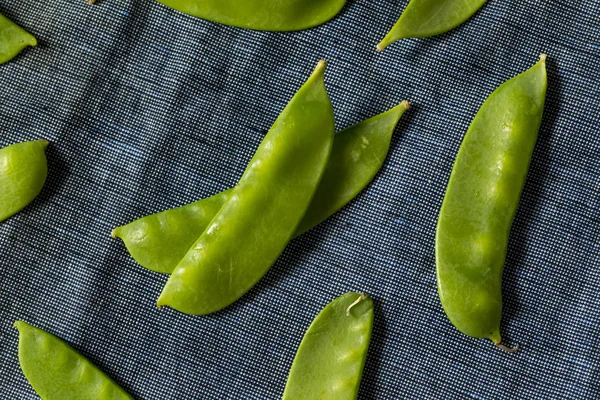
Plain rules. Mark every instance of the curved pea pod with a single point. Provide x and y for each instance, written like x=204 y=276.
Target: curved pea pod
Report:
x=481 y=201
x=159 y=241
x=13 y=39
x=57 y=372
x=424 y=18
x=263 y=15
x=255 y=224
x=330 y=360
x=23 y=172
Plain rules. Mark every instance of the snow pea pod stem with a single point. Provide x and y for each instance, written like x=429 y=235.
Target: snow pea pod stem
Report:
x=331 y=357
x=159 y=241
x=506 y=348
x=255 y=224
x=357 y=301
x=57 y=372
x=481 y=201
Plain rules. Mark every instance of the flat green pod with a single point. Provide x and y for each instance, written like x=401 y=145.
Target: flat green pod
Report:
x=330 y=360
x=262 y=15
x=13 y=39
x=23 y=172
x=424 y=18
x=159 y=241
x=481 y=201
x=57 y=372
x=260 y=217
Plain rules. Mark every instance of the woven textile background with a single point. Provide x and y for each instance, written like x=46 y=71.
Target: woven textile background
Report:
x=147 y=109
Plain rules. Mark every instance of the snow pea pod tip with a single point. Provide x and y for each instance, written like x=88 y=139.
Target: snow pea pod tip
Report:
x=13 y=39
x=424 y=18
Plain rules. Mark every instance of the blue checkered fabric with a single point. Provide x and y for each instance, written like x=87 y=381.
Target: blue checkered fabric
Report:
x=148 y=109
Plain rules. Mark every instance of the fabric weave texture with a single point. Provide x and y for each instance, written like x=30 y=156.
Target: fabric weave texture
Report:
x=147 y=109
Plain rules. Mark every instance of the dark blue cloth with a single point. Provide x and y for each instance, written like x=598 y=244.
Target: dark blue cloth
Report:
x=147 y=109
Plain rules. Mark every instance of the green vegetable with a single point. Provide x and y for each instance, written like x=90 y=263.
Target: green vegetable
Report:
x=261 y=215
x=159 y=241
x=23 y=171
x=263 y=15
x=13 y=39
x=424 y=18
x=331 y=357
x=481 y=200
x=57 y=372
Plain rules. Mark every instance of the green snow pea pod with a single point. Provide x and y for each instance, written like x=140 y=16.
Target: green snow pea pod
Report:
x=255 y=224
x=23 y=171
x=330 y=360
x=159 y=241
x=481 y=200
x=57 y=372
x=13 y=39
x=263 y=15
x=424 y=18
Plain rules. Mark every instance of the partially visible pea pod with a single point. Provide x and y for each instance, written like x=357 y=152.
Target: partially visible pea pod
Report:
x=23 y=172
x=481 y=201
x=262 y=213
x=263 y=15
x=423 y=18
x=57 y=372
x=159 y=241
x=330 y=360
x=13 y=39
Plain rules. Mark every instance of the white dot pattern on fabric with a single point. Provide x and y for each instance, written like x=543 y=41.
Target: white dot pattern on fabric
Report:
x=147 y=109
